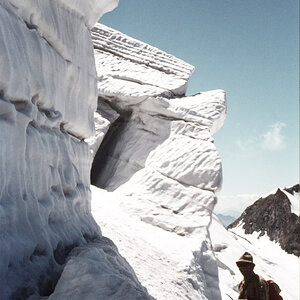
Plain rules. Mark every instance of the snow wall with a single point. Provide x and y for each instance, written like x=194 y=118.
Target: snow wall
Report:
x=159 y=163
x=48 y=95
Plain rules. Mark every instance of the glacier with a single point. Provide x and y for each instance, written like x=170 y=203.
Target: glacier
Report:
x=157 y=173
x=82 y=104
x=143 y=133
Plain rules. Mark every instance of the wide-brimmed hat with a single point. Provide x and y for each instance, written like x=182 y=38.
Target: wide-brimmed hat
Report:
x=246 y=258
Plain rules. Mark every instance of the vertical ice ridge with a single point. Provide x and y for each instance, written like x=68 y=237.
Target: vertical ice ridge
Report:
x=42 y=78
x=48 y=94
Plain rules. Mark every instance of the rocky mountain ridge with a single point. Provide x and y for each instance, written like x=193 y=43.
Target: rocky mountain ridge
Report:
x=272 y=215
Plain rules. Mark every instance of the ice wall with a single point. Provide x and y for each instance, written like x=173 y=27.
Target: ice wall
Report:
x=48 y=93
x=159 y=163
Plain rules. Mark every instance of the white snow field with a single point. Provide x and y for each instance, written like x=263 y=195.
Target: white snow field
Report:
x=294 y=200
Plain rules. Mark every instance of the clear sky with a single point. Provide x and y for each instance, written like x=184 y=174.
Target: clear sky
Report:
x=250 y=49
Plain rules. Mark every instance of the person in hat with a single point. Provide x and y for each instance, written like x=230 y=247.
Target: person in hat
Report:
x=253 y=286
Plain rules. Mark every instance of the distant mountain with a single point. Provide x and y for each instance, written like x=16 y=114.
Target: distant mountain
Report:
x=276 y=215
x=226 y=219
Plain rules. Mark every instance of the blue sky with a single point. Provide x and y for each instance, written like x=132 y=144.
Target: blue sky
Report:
x=250 y=50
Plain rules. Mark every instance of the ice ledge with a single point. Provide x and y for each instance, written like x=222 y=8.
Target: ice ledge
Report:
x=89 y=10
x=143 y=69
x=92 y=10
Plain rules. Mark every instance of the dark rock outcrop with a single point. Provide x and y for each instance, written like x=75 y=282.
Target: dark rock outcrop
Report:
x=293 y=189
x=272 y=216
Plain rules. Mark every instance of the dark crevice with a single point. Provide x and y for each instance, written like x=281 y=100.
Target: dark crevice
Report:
x=48 y=280
x=101 y=172
x=61 y=252
x=31 y=26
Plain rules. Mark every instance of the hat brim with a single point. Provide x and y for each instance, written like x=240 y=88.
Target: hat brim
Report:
x=244 y=261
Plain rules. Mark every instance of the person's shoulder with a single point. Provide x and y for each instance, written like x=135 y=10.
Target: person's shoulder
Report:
x=261 y=278
x=241 y=283
x=257 y=278
x=263 y=281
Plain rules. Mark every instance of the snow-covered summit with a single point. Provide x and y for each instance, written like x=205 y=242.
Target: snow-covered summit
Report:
x=293 y=194
x=274 y=216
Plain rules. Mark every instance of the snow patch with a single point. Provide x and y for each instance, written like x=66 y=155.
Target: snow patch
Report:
x=294 y=200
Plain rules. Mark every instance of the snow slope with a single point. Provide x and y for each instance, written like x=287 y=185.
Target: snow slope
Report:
x=294 y=200
x=165 y=262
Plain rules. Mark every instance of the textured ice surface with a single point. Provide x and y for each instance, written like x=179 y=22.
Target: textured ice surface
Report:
x=103 y=117
x=131 y=70
x=51 y=98
x=101 y=274
x=88 y=11
x=160 y=166
x=48 y=95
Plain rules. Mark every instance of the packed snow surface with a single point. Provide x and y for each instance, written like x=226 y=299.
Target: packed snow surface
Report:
x=168 y=264
x=162 y=259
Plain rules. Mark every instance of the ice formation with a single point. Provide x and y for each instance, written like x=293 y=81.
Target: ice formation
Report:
x=158 y=163
x=153 y=152
x=48 y=95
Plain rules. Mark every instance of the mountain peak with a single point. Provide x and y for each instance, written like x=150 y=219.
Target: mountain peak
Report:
x=272 y=215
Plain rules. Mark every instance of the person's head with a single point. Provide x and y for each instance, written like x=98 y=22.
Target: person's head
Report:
x=245 y=264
